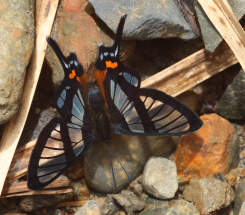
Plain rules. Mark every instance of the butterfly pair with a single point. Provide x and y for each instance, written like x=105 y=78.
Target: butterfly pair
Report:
x=92 y=112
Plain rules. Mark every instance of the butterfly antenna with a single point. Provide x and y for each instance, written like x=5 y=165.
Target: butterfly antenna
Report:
x=112 y=169
x=120 y=31
x=129 y=178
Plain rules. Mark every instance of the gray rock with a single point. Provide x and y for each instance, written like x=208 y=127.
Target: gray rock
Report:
x=92 y=208
x=132 y=151
x=231 y=104
x=159 y=207
x=181 y=207
x=211 y=36
x=130 y=203
x=31 y=203
x=209 y=194
x=146 y=19
x=242 y=210
x=240 y=197
x=160 y=178
x=16 y=42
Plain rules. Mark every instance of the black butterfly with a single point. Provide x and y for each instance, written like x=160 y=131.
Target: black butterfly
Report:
x=115 y=103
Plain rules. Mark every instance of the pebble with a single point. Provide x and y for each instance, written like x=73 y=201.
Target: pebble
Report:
x=130 y=203
x=90 y=208
x=209 y=194
x=160 y=178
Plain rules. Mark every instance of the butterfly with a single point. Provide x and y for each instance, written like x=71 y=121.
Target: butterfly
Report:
x=93 y=111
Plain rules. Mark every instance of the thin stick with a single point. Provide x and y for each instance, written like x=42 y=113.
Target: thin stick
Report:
x=14 y=128
x=223 y=18
x=192 y=70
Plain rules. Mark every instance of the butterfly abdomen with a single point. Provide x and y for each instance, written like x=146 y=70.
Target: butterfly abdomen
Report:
x=99 y=112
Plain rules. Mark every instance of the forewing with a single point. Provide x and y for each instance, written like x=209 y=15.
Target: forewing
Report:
x=116 y=81
x=71 y=96
x=57 y=147
x=152 y=112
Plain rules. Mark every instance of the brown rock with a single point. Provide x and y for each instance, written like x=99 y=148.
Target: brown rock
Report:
x=209 y=194
x=212 y=149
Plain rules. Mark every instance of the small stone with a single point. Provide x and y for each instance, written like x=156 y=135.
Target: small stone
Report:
x=160 y=178
x=242 y=210
x=231 y=104
x=212 y=149
x=240 y=196
x=181 y=207
x=132 y=152
x=130 y=203
x=90 y=208
x=31 y=203
x=145 y=20
x=235 y=176
x=209 y=194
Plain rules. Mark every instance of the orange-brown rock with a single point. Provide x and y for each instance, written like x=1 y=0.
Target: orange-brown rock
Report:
x=212 y=149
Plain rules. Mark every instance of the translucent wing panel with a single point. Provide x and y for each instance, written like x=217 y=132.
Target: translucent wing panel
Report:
x=70 y=103
x=57 y=147
x=152 y=112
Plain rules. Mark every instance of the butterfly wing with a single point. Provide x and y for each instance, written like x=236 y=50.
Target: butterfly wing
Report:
x=57 y=147
x=155 y=113
x=136 y=111
x=63 y=139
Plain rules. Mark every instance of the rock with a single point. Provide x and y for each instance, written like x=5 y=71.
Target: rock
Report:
x=212 y=149
x=160 y=178
x=240 y=197
x=31 y=203
x=108 y=205
x=210 y=35
x=16 y=42
x=231 y=104
x=209 y=194
x=145 y=20
x=242 y=210
x=235 y=176
x=91 y=208
x=181 y=207
x=129 y=203
x=132 y=152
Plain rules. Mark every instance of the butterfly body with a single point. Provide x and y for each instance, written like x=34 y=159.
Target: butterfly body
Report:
x=101 y=118
x=92 y=112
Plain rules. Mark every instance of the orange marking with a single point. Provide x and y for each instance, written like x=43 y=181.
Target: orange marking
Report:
x=109 y=64
x=72 y=74
x=100 y=78
x=84 y=82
